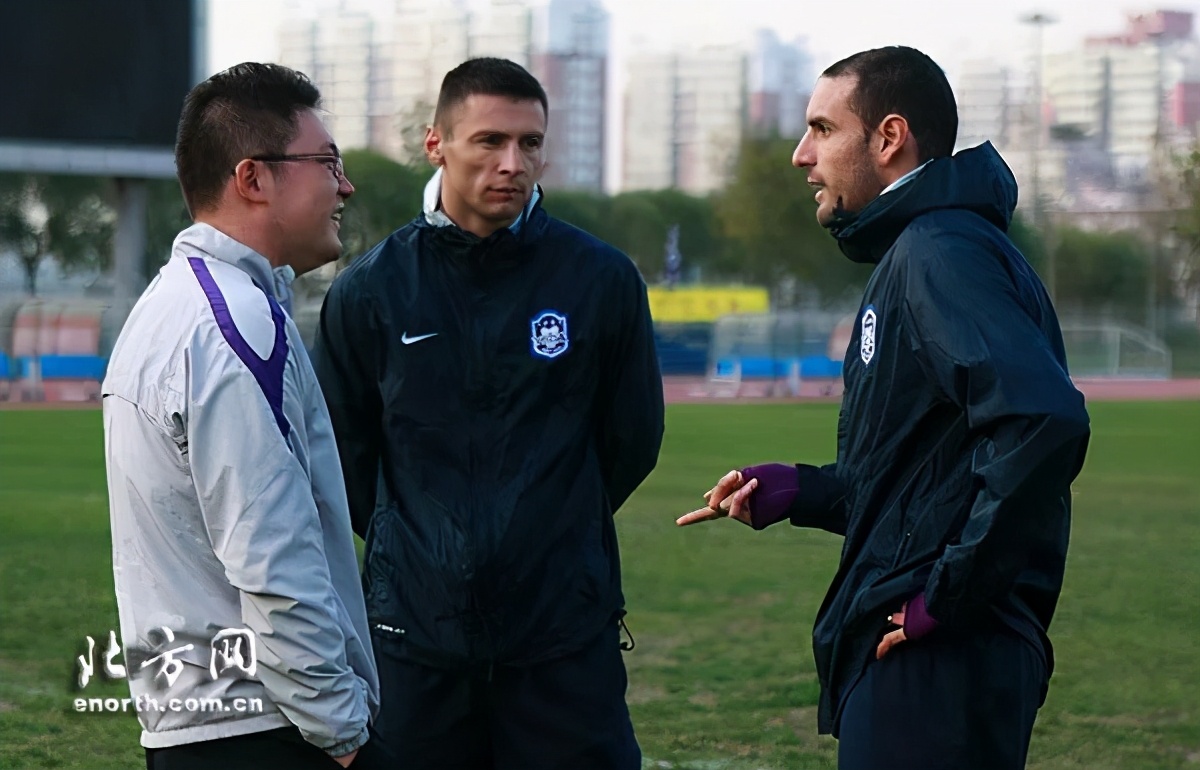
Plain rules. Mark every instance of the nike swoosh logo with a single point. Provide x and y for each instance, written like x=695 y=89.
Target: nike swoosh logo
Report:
x=407 y=340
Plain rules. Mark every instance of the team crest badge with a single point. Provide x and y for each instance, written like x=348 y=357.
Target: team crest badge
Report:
x=867 y=341
x=549 y=331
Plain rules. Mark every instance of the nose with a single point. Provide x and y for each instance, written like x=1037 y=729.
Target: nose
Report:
x=345 y=189
x=804 y=156
x=511 y=161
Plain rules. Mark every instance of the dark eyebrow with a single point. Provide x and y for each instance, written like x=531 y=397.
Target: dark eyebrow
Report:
x=494 y=132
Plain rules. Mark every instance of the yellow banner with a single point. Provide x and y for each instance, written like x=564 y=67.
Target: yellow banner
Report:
x=698 y=304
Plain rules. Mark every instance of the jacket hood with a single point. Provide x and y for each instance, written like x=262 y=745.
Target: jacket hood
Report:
x=976 y=179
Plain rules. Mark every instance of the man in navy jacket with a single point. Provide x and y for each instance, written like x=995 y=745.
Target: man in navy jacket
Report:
x=959 y=436
x=493 y=384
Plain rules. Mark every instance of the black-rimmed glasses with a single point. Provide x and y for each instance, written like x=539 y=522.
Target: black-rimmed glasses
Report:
x=332 y=162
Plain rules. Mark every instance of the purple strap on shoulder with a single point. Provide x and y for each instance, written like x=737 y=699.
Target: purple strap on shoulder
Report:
x=775 y=493
x=268 y=373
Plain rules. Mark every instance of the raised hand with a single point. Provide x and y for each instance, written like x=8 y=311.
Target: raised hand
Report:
x=727 y=499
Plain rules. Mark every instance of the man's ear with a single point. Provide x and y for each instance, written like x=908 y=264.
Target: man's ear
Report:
x=433 y=146
x=892 y=137
x=251 y=183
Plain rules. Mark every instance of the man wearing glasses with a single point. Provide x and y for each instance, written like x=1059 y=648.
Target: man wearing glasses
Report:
x=236 y=577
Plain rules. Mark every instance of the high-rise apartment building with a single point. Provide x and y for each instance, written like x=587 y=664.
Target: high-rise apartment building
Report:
x=340 y=55
x=986 y=108
x=1131 y=91
x=685 y=117
x=429 y=40
x=649 y=148
x=779 y=80
x=570 y=58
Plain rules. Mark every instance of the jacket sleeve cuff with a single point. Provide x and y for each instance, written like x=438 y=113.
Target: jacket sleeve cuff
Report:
x=820 y=499
x=776 y=491
x=917 y=620
x=347 y=746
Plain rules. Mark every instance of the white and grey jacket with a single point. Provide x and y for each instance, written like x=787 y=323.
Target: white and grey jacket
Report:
x=229 y=511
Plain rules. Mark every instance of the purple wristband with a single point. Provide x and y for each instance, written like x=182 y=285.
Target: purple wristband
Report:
x=776 y=491
x=917 y=620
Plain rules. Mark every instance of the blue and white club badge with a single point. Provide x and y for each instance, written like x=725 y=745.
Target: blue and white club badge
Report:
x=549 y=331
x=867 y=340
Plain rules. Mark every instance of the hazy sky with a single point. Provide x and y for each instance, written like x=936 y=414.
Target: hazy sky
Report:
x=948 y=30
x=951 y=31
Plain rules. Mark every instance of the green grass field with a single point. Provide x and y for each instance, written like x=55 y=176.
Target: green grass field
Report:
x=722 y=676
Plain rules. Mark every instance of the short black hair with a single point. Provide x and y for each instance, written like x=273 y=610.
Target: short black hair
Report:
x=488 y=76
x=903 y=81
x=247 y=110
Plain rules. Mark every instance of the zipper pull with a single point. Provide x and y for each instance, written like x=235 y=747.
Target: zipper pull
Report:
x=389 y=629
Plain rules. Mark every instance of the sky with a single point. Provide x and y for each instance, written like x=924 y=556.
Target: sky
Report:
x=950 y=31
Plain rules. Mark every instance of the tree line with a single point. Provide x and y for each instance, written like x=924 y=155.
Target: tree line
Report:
x=760 y=229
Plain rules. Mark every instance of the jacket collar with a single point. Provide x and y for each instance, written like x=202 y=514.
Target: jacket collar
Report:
x=432 y=208
x=211 y=242
x=975 y=180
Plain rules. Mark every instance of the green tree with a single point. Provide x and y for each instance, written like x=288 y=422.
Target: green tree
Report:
x=586 y=210
x=166 y=215
x=701 y=241
x=1101 y=273
x=638 y=223
x=768 y=216
x=639 y=228
x=1184 y=198
x=67 y=217
x=387 y=195
x=1030 y=243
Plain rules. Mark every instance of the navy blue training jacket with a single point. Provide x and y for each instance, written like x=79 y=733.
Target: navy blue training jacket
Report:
x=960 y=431
x=495 y=401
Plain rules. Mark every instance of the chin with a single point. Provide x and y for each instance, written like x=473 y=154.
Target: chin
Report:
x=508 y=210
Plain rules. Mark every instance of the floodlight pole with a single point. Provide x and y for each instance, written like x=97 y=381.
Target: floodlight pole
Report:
x=1039 y=21
x=1159 y=226
x=129 y=241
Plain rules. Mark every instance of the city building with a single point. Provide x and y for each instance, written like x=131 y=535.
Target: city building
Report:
x=685 y=118
x=779 y=80
x=987 y=110
x=339 y=53
x=570 y=58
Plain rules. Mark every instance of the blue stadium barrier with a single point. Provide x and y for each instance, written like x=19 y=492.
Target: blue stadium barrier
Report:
x=66 y=367
x=6 y=369
x=760 y=367
x=753 y=366
x=73 y=367
x=820 y=366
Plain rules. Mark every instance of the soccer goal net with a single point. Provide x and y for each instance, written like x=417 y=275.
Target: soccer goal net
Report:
x=773 y=353
x=1115 y=350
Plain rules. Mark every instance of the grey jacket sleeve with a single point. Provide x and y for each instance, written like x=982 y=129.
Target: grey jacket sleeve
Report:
x=262 y=521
